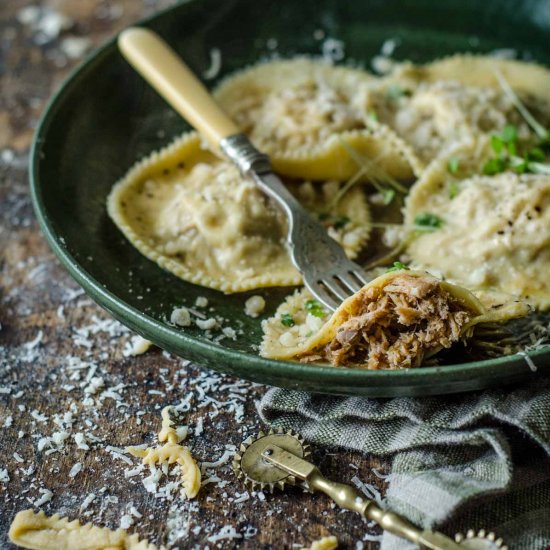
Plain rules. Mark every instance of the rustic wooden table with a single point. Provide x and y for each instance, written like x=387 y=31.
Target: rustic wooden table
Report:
x=63 y=370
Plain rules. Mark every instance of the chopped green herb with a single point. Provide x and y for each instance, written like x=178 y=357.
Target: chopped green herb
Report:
x=372 y=116
x=324 y=216
x=427 y=220
x=536 y=154
x=519 y=165
x=453 y=189
x=341 y=221
x=388 y=195
x=315 y=308
x=497 y=144
x=509 y=134
x=494 y=166
x=397 y=266
x=395 y=92
x=287 y=320
x=452 y=165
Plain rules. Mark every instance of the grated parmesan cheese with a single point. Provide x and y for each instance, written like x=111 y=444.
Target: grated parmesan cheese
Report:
x=75 y=470
x=181 y=317
x=126 y=521
x=38 y=417
x=208 y=324
x=87 y=501
x=201 y=301
x=80 y=441
x=215 y=64
x=47 y=495
x=254 y=306
x=227 y=532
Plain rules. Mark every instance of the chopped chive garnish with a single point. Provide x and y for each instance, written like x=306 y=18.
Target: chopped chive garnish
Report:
x=287 y=320
x=395 y=92
x=509 y=134
x=536 y=154
x=452 y=165
x=453 y=189
x=494 y=166
x=372 y=116
x=388 y=195
x=428 y=221
x=315 y=308
x=497 y=144
x=397 y=266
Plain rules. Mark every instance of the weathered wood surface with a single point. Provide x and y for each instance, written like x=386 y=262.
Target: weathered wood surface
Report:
x=54 y=340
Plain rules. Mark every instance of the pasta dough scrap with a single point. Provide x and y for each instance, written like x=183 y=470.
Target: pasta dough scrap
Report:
x=395 y=321
x=194 y=215
x=41 y=532
x=438 y=104
x=324 y=543
x=301 y=112
x=495 y=233
x=172 y=453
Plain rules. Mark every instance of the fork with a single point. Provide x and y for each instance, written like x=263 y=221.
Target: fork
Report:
x=326 y=270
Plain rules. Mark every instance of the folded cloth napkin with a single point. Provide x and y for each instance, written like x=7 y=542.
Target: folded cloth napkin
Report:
x=480 y=457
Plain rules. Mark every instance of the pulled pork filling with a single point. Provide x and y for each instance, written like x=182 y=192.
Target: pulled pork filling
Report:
x=396 y=326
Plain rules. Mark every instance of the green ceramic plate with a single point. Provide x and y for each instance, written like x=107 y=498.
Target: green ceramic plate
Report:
x=105 y=118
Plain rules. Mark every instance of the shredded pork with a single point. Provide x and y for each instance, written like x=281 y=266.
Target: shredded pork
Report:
x=397 y=326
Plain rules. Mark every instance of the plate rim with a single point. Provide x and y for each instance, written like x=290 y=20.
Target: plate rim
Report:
x=286 y=371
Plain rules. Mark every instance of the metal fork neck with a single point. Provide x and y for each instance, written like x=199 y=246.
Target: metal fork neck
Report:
x=239 y=149
x=251 y=162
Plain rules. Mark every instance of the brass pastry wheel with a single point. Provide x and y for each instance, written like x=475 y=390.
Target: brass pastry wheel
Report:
x=278 y=458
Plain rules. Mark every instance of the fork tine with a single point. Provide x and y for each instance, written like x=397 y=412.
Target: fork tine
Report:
x=349 y=281
x=335 y=286
x=322 y=295
x=360 y=275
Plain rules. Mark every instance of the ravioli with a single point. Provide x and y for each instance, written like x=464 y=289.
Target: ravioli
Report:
x=398 y=320
x=527 y=79
x=494 y=235
x=302 y=113
x=196 y=216
x=437 y=105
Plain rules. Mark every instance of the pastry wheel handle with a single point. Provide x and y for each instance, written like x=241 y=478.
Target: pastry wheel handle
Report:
x=350 y=498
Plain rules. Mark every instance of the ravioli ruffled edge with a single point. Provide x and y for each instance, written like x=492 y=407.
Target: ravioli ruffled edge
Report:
x=189 y=145
x=330 y=160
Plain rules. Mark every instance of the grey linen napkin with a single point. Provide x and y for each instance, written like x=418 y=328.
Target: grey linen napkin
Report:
x=480 y=457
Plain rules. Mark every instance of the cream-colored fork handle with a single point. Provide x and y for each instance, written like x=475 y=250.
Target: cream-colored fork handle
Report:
x=175 y=82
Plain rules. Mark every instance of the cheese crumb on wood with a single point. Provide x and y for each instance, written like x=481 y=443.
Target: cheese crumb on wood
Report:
x=75 y=470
